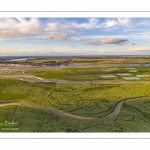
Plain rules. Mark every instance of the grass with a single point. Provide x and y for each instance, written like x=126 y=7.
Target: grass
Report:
x=88 y=74
x=80 y=74
x=132 y=118
x=80 y=99
x=92 y=99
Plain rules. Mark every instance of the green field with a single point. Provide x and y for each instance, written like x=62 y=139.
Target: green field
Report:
x=84 y=92
x=87 y=74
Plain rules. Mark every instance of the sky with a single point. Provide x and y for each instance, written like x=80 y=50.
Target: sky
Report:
x=74 y=36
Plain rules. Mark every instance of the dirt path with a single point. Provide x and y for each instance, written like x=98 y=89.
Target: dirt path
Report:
x=65 y=114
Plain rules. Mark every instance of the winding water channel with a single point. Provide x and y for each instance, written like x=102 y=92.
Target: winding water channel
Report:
x=65 y=114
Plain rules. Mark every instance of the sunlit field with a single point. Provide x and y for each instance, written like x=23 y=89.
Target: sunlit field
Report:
x=77 y=97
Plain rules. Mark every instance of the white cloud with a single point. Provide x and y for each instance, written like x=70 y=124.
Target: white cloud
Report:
x=113 y=23
x=64 y=30
x=19 y=24
x=124 y=21
x=110 y=23
x=20 y=27
x=25 y=26
x=72 y=26
x=92 y=23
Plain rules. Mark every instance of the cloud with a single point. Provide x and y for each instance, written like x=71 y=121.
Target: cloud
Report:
x=19 y=24
x=61 y=29
x=9 y=34
x=109 y=23
x=112 y=23
x=73 y=26
x=51 y=36
x=92 y=23
x=5 y=33
x=109 y=41
x=145 y=35
x=61 y=36
x=33 y=25
x=142 y=48
x=132 y=29
x=133 y=44
x=19 y=27
x=124 y=21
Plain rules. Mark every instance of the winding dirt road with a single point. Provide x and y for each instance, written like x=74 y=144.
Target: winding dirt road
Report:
x=65 y=114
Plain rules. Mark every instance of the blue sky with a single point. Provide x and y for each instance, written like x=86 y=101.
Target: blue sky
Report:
x=74 y=36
